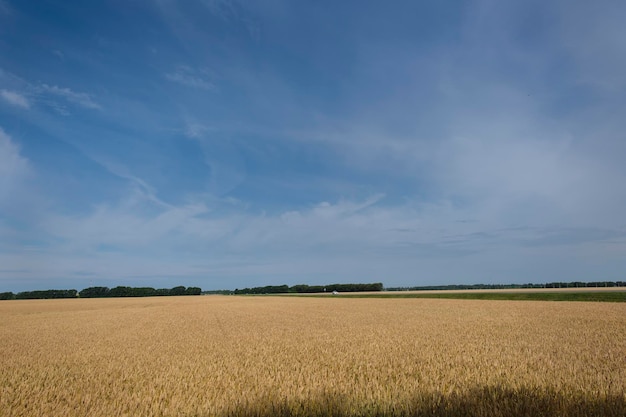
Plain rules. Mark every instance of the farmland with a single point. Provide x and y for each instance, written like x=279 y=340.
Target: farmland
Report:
x=615 y=294
x=266 y=356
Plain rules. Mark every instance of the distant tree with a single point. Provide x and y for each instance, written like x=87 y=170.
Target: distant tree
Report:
x=300 y=288
x=121 y=291
x=46 y=294
x=180 y=290
x=100 y=292
x=274 y=289
x=193 y=291
x=94 y=292
x=143 y=292
x=377 y=286
x=303 y=288
x=29 y=295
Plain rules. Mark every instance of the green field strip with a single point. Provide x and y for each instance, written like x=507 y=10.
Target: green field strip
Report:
x=609 y=296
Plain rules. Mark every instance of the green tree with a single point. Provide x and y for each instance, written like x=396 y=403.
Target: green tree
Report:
x=94 y=292
x=46 y=294
x=180 y=290
x=121 y=291
x=193 y=291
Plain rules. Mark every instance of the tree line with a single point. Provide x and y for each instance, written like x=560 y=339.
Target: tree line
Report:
x=31 y=295
x=302 y=288
x=573 y=284
x=102 y=292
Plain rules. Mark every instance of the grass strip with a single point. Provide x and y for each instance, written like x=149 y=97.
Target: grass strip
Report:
x=609 y=296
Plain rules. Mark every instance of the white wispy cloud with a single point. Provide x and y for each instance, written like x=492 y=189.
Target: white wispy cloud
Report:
x=13 y=167
x=16 y=99
x=484 y=159
x=82 y=99
x=43 y=93
x=141 y=188
x=348 y=239
x=195 y=130
x=191 y=77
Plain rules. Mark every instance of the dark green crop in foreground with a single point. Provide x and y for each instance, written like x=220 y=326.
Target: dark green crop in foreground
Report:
x=610 y=296
x=494 y=401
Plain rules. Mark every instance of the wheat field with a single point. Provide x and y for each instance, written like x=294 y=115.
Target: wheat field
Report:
x=292 y=356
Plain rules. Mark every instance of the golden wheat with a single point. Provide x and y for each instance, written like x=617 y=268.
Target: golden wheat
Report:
x=266 y=356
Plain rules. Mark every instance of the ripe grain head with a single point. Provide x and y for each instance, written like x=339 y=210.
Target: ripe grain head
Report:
x=220 y=355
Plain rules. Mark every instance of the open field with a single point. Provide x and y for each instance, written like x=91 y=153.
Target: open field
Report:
x=266 y=356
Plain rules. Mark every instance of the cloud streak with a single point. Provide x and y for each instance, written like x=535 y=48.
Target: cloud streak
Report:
x=325 y=237
x=189 y=77
x=426 y=143
x=15 y=99
x=13 y=167
x=82 y=99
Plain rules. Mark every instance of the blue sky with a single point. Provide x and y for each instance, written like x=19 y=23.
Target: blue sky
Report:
x=228 y=144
